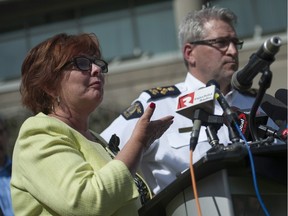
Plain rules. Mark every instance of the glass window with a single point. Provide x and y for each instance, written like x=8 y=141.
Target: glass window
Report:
x=41 y=33
x=142 y=29
x=114 y=32
x=264 y=16
x=156 y=28
x=13 y=49
x=148 y=28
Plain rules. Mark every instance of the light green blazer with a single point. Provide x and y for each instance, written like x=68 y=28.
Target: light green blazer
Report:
x=57 y=171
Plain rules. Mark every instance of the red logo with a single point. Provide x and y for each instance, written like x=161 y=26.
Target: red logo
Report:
x=243 y=122
x=284 y=134
x=186 y=100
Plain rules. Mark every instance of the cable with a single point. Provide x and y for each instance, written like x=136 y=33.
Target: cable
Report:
x=253 y=172
x=194 y=187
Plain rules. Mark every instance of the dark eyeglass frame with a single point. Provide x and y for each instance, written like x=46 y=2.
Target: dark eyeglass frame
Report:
x=89 y=60
x=223 y=43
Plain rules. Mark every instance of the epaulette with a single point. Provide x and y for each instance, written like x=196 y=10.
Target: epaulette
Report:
x=252 y=92
x=165 y=91
x=136 y=110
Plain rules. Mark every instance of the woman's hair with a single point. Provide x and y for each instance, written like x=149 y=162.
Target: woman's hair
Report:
x=192 y=26
x=42 y=69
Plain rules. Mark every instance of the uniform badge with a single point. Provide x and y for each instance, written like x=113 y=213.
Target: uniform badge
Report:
x=160 y=92
x=134 y=111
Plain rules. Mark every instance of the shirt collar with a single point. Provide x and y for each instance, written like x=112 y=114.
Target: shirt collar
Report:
x=232 y=96
x=192 y=83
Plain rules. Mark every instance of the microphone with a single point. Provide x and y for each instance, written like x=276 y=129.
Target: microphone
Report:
x=281 y=95
x=230 y=115
x=280 y=134
x=244 y=118
x=275 y=109
x=198 y=106
x=243 y=79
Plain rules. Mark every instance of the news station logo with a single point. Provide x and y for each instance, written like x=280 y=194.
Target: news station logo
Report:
x=200 y=99
x=186 y=100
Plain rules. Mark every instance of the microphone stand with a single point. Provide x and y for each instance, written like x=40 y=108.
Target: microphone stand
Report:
x=264 y=83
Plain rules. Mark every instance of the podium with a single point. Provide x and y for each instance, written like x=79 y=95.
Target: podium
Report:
x=225 y=185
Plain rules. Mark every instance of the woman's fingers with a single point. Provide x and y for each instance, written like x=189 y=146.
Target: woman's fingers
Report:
x=147 y=131
x=149 y=112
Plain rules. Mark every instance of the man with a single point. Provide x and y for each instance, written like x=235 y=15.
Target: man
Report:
x=5 y=172
x=210 y=48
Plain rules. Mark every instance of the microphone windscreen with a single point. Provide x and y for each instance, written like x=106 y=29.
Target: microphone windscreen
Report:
x=281 y=95
x=275 y=109
x=244 y=118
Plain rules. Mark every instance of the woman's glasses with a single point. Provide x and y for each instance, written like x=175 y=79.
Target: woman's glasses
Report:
x=84 y=63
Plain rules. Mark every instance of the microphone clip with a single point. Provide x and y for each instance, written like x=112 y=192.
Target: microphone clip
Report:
x=208 y=119
x=212 y=124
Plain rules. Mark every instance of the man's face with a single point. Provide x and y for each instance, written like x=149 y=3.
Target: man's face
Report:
x=211 y=61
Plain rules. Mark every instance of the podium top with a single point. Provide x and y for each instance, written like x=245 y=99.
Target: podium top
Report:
x=266 y=159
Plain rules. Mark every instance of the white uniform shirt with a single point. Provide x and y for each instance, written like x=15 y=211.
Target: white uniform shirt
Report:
x=169 y=156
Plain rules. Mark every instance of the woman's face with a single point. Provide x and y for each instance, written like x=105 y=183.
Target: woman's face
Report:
x=82 y=91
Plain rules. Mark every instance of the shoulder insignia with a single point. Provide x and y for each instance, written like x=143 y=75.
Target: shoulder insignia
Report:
x=252 y=92
x=165 y=91
x=134 y=111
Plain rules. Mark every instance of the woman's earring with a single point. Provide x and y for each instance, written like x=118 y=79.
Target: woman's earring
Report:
x=58 y=100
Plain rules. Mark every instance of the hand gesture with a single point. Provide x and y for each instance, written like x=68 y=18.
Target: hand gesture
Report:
x=143 y=135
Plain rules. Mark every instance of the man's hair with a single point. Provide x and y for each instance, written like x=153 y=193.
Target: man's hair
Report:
x=192 y=26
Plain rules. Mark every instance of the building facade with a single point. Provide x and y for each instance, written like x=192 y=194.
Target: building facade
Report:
x=138 y=39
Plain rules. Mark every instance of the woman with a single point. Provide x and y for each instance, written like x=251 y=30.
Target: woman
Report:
x=60 y=167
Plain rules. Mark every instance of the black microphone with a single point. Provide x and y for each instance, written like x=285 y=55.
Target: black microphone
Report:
x=280 y=134
x=275 y=109
x=243 y=79
x=281 y=95
x=244 y=118
x=199 y=107
x=195 y=131
x=228 y=111
x=230 y=115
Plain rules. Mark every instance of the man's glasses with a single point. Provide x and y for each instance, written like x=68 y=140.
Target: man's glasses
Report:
x=220 y=43
x=85 y=64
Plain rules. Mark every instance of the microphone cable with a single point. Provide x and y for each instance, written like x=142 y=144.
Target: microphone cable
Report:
x=193 y=142
x=253 y=171
x=193 y=181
